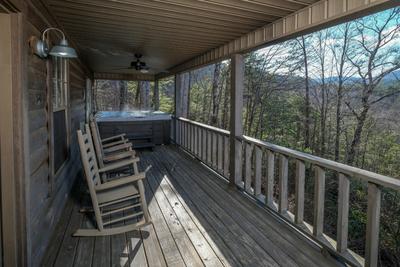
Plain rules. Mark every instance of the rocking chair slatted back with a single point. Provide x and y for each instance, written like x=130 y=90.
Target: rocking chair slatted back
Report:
x=91 y=169
x=96 y=140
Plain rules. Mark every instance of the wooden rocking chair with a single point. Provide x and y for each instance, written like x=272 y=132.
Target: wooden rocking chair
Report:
x=107 y=151
x=125 y=194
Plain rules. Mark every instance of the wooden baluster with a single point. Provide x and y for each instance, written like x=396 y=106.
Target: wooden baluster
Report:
x=220 y=152
x=238 y=163
x=372 y=233
x=343 y=213
x=198 y=140
x=204 y=145
x=187 y=135
x=270 y=178
x=226 y=156
x=300 y=178
x=214 y=150
x=319 y=198
x=194 y=139
x=248 y=161
x=178 y=132
x=209 y=147
x=184 y=134
x=190 y=137
x=283 y=184
x=257 y=170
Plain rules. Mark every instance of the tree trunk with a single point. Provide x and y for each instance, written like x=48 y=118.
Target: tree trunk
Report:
x=307 y=109
x=123 y=95
x=144 y=93
x=355 y=144
x=215 y=94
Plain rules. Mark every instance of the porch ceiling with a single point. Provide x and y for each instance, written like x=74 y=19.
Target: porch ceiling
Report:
x=166 y=32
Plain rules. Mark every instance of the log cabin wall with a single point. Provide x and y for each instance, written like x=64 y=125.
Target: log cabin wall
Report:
x=46 y=193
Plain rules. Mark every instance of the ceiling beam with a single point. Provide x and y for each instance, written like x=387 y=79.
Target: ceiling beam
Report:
x=320 y=15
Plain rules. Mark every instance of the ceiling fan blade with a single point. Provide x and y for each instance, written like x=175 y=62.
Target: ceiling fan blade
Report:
x=126 y=68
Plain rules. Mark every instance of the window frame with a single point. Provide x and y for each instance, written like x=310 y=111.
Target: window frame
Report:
x=58 y=82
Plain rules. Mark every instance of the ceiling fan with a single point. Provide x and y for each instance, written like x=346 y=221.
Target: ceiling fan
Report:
x=137 y=65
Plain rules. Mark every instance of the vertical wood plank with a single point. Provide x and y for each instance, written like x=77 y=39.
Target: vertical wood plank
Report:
x=300 y=177
x=343 y=213
x=270 y=178
x=204 y=145
x=257 y=170
x=220 y=153
x=248 y=161
x=319 y=198
x=209 y=147
x=283 y=183
x=236 y=124
x=214 y=150
x=226 y=156
x=198 y=140
x=372 y=233
x=194 y=139
x=184 y=134
x=238 y=163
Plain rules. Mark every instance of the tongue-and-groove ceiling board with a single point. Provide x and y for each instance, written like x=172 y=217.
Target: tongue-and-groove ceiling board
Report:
x=166 y=32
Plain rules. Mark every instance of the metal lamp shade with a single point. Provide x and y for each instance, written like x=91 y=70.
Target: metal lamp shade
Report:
x=63 y=50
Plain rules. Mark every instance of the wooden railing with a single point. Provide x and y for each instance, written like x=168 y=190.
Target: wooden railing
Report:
x=211 y=146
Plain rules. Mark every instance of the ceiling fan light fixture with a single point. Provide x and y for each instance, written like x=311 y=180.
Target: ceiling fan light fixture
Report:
x=144 y=71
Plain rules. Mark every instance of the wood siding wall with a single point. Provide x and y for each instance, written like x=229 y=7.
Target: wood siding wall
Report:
x=45 y=199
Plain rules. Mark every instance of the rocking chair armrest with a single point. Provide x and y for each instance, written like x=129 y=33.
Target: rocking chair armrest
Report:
x=118 y=147
x=117 y=165
x=119 y=156
x=121 y=181
x=120 y=136
x=119 y=142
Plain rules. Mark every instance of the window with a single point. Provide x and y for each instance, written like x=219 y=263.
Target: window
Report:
x=60 y=113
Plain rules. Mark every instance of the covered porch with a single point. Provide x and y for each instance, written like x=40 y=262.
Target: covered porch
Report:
x=216 y=196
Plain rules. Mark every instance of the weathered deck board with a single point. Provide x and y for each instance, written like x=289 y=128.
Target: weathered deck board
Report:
x=197 y=221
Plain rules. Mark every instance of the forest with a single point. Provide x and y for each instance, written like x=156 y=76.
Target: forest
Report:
x=334 y=93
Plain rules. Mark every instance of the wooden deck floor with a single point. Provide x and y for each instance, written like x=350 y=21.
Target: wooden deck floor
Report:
x=197 y=221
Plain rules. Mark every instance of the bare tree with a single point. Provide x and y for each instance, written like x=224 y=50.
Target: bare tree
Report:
x=343 y=70
x=215 y=94
x=373 y=59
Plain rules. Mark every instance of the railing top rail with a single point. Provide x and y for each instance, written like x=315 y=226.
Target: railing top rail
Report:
x=208 y=127
x=372 y=177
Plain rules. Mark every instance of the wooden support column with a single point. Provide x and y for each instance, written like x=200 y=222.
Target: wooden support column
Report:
x=181 y=103
x=236 y=124
x=182 y=94
x=156 y=96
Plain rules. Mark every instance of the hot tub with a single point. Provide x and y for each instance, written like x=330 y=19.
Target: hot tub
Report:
x=143 y=128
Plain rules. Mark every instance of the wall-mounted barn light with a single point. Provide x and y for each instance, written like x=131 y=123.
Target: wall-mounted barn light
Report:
x=41 y=48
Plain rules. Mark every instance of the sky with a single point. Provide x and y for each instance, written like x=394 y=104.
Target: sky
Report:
x=283 y=50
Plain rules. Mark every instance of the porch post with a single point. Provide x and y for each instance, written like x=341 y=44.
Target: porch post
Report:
x=181 y=100
x=156 y=96
x=236 y=123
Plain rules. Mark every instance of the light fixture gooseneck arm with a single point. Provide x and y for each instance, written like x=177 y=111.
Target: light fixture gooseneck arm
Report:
x=52 y=28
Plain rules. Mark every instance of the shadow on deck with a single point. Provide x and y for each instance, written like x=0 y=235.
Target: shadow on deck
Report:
x=197 y=221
